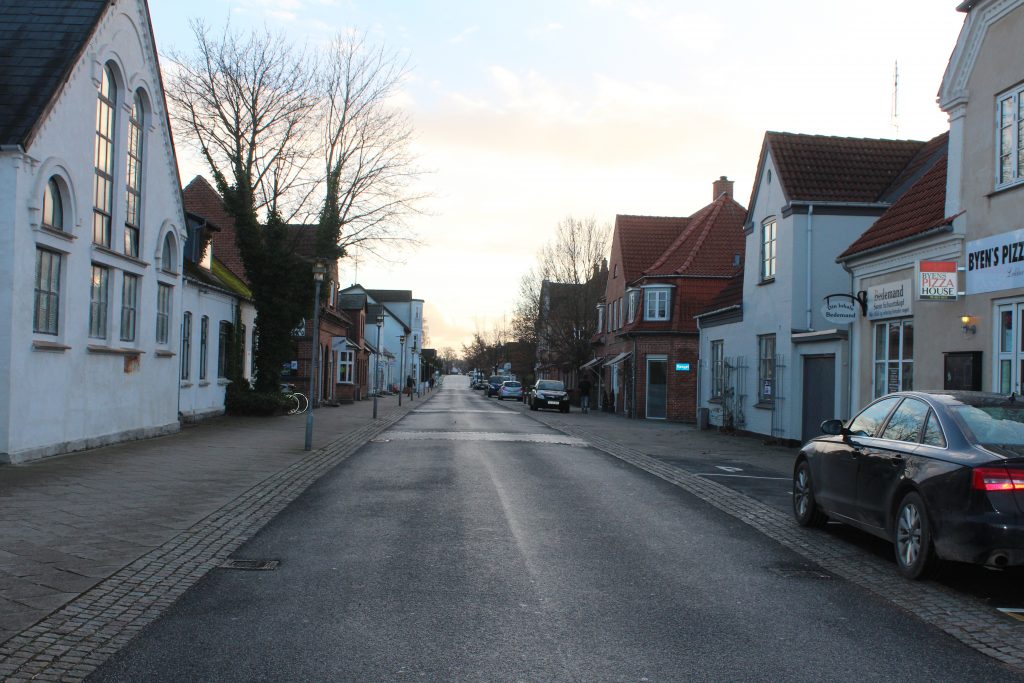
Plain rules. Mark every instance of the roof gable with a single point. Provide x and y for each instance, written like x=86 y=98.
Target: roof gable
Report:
x=827 y=168
x=920 y=209
x=709 y=245
x=40 y=43
x=643 y=239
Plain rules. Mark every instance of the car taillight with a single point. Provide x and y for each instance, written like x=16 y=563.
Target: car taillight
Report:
x=997 y=479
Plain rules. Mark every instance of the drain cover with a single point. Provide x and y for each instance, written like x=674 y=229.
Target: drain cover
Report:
x=251 y=565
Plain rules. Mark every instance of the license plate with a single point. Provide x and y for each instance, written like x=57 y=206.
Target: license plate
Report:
x=552 y=403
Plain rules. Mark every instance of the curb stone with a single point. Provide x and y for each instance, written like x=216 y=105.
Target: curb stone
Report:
x=977 y=627
x=73 y=641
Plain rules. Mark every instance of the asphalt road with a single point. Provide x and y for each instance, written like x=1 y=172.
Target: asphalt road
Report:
x=472 y=543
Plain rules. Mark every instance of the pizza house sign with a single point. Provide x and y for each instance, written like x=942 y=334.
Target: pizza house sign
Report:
x=937 y=281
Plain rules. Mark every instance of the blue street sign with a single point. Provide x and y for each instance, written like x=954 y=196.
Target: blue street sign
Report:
x=682 y=367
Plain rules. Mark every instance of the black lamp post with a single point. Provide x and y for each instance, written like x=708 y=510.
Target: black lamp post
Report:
x=401 y=369
x=319 y=271
x=377 y=374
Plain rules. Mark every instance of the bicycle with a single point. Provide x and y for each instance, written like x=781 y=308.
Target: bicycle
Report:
x=295 y=401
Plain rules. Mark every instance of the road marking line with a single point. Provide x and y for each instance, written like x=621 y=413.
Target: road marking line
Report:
x=739 y=476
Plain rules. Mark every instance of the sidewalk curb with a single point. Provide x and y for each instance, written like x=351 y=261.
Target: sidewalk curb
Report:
x=975 y=626
x=74 y=640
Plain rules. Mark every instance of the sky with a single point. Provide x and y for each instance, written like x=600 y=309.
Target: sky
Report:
x=531 y=111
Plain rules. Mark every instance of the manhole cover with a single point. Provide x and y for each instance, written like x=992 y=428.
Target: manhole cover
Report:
x=251 y=565
x=799 y=572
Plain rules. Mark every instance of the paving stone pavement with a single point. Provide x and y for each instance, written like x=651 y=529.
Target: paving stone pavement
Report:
x=116 y=535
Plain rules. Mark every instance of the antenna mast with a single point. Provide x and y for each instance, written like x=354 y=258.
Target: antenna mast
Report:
x=895 y=114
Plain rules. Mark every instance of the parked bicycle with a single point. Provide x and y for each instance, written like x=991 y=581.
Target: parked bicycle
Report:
x=295 y=401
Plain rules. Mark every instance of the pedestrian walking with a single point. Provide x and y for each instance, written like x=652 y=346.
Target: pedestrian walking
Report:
x=585 y=395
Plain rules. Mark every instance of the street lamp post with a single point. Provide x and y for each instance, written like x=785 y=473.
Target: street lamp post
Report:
x=376 y=376
x=319 y=270
x=401 y=369
x=415 y=372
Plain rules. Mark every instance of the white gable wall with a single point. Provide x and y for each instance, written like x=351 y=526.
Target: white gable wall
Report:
x=68 y=391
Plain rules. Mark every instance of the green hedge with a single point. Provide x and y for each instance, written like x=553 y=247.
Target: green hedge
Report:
x=242 y=400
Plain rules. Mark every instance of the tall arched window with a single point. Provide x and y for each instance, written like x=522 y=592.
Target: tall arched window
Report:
x=103 y=189
x=133 y=214
x=53 y=206
x=169 y=255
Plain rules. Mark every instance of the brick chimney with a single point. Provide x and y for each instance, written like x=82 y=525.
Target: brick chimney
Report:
x=721 y=186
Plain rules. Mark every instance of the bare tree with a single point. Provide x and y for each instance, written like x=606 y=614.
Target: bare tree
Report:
x=247 y=102
x=369 y=169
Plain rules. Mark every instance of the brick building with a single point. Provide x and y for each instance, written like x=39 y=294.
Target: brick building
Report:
x=663 y=271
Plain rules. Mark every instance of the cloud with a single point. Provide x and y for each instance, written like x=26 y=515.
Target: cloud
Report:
x=545 y=29
x=461 y=37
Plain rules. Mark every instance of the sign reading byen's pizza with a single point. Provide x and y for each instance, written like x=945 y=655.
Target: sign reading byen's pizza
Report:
x=937 y=281
x=996 y=263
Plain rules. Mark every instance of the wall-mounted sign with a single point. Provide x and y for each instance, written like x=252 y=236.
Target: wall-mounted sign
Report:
x=839 y=311
x=996 y=263
x=891 y=300
x=937 y=281
x=682 y=367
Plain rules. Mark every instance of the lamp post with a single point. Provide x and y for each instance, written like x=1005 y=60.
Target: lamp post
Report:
x=319 y=270
x=376 y=376
x=415 y=372
x=401 y=369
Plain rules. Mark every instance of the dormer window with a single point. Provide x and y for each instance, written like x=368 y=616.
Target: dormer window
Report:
x=656 y=303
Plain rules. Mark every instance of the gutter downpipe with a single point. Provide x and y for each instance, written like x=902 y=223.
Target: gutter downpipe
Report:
x=700 y=347
x=632 y=408
x=810 y=232
x=849 y=353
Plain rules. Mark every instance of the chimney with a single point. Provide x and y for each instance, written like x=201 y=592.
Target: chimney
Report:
x=721 y=186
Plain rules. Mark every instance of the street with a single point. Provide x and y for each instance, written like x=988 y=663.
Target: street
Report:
x=470 y=541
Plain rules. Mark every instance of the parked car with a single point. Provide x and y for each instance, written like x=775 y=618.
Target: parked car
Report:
x=940 y=474
x=493 y=384
x=549 y=393
x=510 y=389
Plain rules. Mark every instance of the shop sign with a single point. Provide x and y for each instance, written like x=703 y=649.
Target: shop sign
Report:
x=839 y=311
x=937 y=281
x=996 y=263
x=891 y=300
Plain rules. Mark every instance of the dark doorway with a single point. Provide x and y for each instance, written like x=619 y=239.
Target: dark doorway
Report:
x=819 y=393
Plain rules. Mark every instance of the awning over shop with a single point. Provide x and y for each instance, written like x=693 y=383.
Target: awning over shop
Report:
x=592 y=362
x=619 y=358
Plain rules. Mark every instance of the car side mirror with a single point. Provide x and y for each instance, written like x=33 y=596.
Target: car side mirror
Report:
x=833 y=427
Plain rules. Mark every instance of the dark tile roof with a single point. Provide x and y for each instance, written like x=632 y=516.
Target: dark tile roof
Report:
x=397 y=295
x=351 y=302
x=828 y=168
x=731 y=295
x=40 y=42
x=708 y=245
x=921 y=208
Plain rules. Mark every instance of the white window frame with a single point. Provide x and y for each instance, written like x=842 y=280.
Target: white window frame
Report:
x=600 y=318
x=133 y=181
x=164 y=299
x=99 y=301
x=1014 y=128
x=47 y=292
x=632 y=296
x=882 y=362
x=766 y=362
x=769 y=249
x=657 y=303
x=103 y=151
x=346 y=367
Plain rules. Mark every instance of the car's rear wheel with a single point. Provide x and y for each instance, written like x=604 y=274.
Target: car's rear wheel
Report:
x=805 y=507
x=915 y=556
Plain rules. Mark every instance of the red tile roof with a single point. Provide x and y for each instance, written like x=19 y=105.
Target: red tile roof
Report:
x=731 y=295
x=711 y=241
x=828 y=168
x=920 y=209
x=643 y=239
x=201 y=199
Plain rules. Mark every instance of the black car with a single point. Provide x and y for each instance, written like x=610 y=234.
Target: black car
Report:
x=549 y=393
x=938 y=473
x=494 y=383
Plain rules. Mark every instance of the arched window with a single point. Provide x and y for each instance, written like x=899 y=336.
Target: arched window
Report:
x=103 y=195
x=133 y=214
x=169 y=255
x=53 y=206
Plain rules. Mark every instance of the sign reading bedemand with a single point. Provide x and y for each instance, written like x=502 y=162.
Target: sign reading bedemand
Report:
x=891 y=300
x=996 y=263
x=839 y=311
